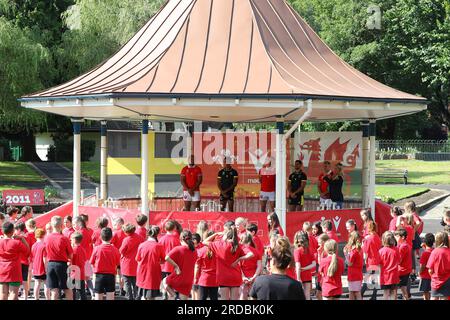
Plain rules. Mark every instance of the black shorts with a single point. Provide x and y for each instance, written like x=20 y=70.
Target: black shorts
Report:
x=230 y=196
x=425 y=285
x=148 y=293
x=105 y=283
x=195 y=287
x=404 y=280
x=57 y=275
x=209 y=292
x=42 y=277
x=25 y=268
x=388 y=286
x=165 y=274
x=297 y=201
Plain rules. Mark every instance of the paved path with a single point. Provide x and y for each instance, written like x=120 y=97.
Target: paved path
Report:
x=62 y=178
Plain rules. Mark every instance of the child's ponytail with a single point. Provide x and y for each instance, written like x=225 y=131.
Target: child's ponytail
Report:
x=186 y=237
x=331 y=248
x=231 y=234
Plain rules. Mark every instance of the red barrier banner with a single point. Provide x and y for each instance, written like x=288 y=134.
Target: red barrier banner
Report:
x=62 y=211
x=24 y=197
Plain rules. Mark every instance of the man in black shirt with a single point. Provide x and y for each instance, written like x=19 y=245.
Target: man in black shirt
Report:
x=227 y=180
x=296 y=186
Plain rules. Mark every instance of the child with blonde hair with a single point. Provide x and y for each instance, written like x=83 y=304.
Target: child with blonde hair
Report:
x=354 y=259
x=320 y=255
x=38 y=258
x=331 y=269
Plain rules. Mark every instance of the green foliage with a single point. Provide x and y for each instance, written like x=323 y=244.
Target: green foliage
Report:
x=51 y=192
x=62 y=149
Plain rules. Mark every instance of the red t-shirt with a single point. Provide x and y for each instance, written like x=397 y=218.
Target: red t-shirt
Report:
x=207 y=268
x=249 y=266
x=58 y=247
x=389 y=261
x=393 y=224
x=305 y=258
x=128 y=251
x=97 y=237
x=259 y=245
x=331 y=286
x=410 y=234
x=227 y=275
x=268 y=181
x=25 y=259
x=371 y=247
x=423 y=261
x=67 y=232
x=333 y=235
x=149 y=256
x=192 y=176
x=169 y=241
x=118 y=237
x=313 y=244
x=142 y=231
x=323 y=185
x=417 y=219
x=105 y=259
x=405 y=265
x=439 y=262
x=79 y=259
x=355 y=271
x=185 y=259
x=31 y=238
x=86 y=241
x=11 y=251
x=38 y=253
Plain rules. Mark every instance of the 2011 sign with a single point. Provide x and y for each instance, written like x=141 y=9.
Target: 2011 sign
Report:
x=24 y=197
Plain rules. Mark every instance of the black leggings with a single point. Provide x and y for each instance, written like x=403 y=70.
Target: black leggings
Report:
x=211 y=292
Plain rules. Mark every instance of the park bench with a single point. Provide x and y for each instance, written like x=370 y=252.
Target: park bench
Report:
x=393 y=173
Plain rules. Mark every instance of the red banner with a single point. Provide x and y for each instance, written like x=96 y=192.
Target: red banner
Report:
x=189 y=220
x=24 y=197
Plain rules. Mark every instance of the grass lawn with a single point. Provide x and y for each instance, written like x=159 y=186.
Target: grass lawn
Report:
x=420 y=172
x=14 y=174
x=394 y=193
x=89 y=169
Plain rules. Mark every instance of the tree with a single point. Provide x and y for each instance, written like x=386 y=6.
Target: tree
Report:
x=410 y=50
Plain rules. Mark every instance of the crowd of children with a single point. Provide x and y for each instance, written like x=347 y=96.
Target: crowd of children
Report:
x=68 y=260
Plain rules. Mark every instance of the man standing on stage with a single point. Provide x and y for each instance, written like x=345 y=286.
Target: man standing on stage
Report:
x=296 y=186
x=227 y=180
x=267 y=180
x=191 y=179
x=322 y=185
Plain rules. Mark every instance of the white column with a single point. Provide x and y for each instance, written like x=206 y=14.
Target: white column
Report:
x=280 y=161
x=372 y=131
x=189 y=140
x=365 y=165
x=144 y=164
x=103 y=160
x=76 y=165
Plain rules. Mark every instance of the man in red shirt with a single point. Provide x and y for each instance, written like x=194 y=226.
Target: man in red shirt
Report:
x=322 y=185
x=267 y=176
x=191 y=179
x=59 y=252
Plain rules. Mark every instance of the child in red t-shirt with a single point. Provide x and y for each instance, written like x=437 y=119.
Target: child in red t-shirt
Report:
x=197 y=240
x=389 y=262
x=354 y=258
x=253 y=230
x=105 y=259
x=305 y=261
x=39 y=263
x=439 y=267
x=425 y=277
x=321 y=239
x=20 y=231
x=149 y=256
x=371 y=247
x=331 y=269
x=205 y=273
x=183 y=259
x=327 y=227
x=78 y=264
x=251 y=268
x=405 y=265
x=101 y=223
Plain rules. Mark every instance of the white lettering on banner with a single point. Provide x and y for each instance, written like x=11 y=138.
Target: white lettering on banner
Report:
x=336 y=221
x=252 y=181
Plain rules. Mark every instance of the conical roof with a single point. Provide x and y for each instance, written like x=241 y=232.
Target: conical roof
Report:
x=224 y=48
